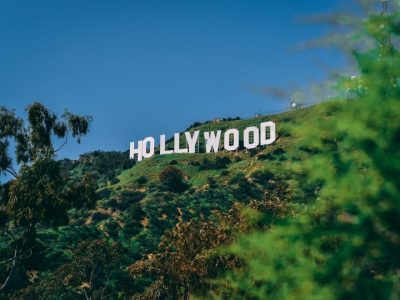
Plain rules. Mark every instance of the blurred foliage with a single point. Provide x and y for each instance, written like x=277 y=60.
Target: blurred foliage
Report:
x=345 y=244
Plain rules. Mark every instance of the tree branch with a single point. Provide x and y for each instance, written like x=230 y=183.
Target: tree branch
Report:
x=63 y=144
x=86 y=295
x=22 y=255
x=12 y=169
x=11 y=234
x=105 y=284
x=12 y=172
x=3 y=286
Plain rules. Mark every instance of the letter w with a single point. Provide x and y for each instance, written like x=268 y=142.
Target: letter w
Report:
x=212 y=140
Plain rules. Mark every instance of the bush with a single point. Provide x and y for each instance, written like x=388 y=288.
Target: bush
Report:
x=262 y=176
x=218 y=163
x=225 y=173
x=172 y=180
x=114 y=180
x=98 y=216
x=141 y=180
x=211 y=182
x=104 y=193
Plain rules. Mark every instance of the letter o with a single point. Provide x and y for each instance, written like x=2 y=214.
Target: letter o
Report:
x=246 y=137
x=227 y=135
x=148 y=147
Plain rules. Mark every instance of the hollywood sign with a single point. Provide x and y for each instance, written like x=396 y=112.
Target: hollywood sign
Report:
x=253 y=137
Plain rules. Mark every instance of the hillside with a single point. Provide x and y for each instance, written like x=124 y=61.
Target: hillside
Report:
x=139 y=207
x=137 y=204
x=156 y=226
x=135 y=208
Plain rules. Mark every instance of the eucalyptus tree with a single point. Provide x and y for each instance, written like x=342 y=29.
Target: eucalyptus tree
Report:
x=38 y=194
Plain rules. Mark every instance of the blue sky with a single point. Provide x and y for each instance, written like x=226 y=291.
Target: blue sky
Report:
x=144 y=68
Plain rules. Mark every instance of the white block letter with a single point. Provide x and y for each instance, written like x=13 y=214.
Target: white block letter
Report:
x=148 y=147
x=212 y=140
x=177 y=141
x=272 y=133
x=192 y=140
x=162 y=146
x=133 y=150
x=246 y=137
x=227 y=135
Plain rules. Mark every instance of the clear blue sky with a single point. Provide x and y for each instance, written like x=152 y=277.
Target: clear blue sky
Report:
x=147 y=67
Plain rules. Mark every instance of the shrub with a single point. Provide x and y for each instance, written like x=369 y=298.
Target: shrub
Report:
x=172 y=180
x=218 y=163
x=262 y=176
x=114 y=180
x=141 y=180
x=173 y=162
x=211 y=182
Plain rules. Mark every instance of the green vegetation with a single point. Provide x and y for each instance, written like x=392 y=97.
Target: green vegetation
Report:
x=345 y=245
x=314 y=215
x=137 y=205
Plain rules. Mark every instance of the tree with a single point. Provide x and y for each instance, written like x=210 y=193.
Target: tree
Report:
x=38 y=193
x=91 y=274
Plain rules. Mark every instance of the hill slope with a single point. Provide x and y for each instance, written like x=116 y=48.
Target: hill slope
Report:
x=139 y=201
x=136 y=208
